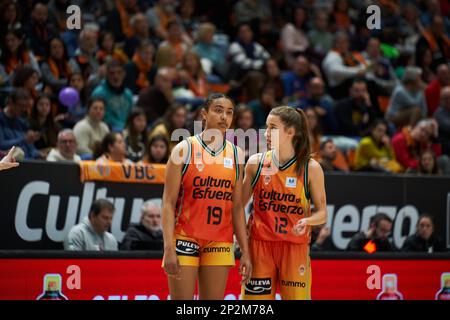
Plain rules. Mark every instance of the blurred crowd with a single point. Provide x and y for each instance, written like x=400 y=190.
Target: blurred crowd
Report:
x=376 y=100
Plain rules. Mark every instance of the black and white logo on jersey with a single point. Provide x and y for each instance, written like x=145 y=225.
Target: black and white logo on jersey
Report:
x=259 y=286
x=187 y=248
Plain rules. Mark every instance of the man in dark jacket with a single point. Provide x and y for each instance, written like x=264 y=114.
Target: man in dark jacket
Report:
x=375 y=238
x=147 y=235
x=424 y=240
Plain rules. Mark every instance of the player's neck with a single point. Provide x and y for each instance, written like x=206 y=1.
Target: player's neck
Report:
x=213 y=142
x=285 y=154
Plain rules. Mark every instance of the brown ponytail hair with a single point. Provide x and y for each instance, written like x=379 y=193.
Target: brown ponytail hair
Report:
x=296 y=118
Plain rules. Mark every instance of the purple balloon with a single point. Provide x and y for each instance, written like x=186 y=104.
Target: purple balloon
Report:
x=69 y=97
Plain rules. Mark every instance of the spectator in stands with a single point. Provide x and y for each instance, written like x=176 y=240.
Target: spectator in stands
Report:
x=442 y=116
x=118 y=21
x=14 y=130
x=112 y=149
x=375 y=239
x=207 y=49
x=252 y=12
x=147 y=234
x=262 y=106
x=433 y=90
x=14 y=52
x=375 y=153
x=243 y=120
x=135 y=134
x=427 y=164
x=108 y=50
x=118 y=98
x=273 y=79
x=342 y=17
x=320 y=38
x=42 y=121
x=55 y=68
x=192 y=76
x=92 y=233
x=156 y=100
x=321 y=240
x=165 y=58
x=410 y=142
x=407 y=104
x=435 y=39
x=141 y=33
x=425 y=65
x=77 y=113
x=341 y=66
x=8 y=161
x=322 y=104
x=328 y=154
x=355 y=114
x=159 y=17
x=315 y=131
x=175 y=40
x=26 y=78
x=40 y=31
x=293 y=37
x=84 y=61
x=10 y=16
x=296 y=81
x=424 y=239
x=246 y=54
x=66 y=148
x=174 y=118
x=91 y=130
x=141 y=70
x=157 y=150
x=186 y=10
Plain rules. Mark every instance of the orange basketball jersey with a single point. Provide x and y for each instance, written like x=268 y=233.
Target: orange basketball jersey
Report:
x=280 y=200
x=204 y=206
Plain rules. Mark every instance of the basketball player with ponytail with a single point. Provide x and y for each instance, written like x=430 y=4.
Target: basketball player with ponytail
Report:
x=283 y=181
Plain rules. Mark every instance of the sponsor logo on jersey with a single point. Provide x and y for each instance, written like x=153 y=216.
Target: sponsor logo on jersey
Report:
x=228 y=163
x=216 y=249
x=187 y=248
x=295 y=284
x=291 y=182
x=259 y=286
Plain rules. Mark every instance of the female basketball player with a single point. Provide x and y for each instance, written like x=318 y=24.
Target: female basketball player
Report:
x=282 y=181
x=202 y=204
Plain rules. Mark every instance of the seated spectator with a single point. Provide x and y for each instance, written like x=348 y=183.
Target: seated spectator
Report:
x=341 y=16
x=273 y=79
x=176 y=41
x=341 y=66
x=55 y=68
x=135 y=134
x=165 y=58
x=66 y=148
x=321 y=240
x=112 y=149
x=92 y=233
x=147 y=234
x=108 y=50
x=407 y=104
x=327 y=155
x=157 y=99
x=39 y=31
x=84 y=61
x=160 y=15
x=424 y=239
x=246 y=54
x=433 y=90
x=14 y=53
x=42 y=121
x=207 y=49
x=442 y=116
x=189 y=21
x=70 y=116
x=315 y=132
x=243 y=121
x=91 y=130
x=262 y=106
x=118 y=98
x=320 y=38
x=322 y=104
x=428 y=164
x=296 y=81
x=375 y=239
x=435 y=39
x=192 y=75
x=425 y=64
x=412 y=141
x=355 y=114
x=10 y=16
x=15 y=130
x=118 y=21
x=293 y=37
x=174 y=118
x=26 y=78
x=141 y=70
x=252 y=12
x=141 y=33
x=157 y=150
x=375 y=153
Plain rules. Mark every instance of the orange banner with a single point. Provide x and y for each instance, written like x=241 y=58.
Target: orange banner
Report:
x=124 y=173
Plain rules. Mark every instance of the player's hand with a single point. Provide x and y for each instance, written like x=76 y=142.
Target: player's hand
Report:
x=8 y=161
x=245 y=268
x=300 y=227
x=171 y=264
